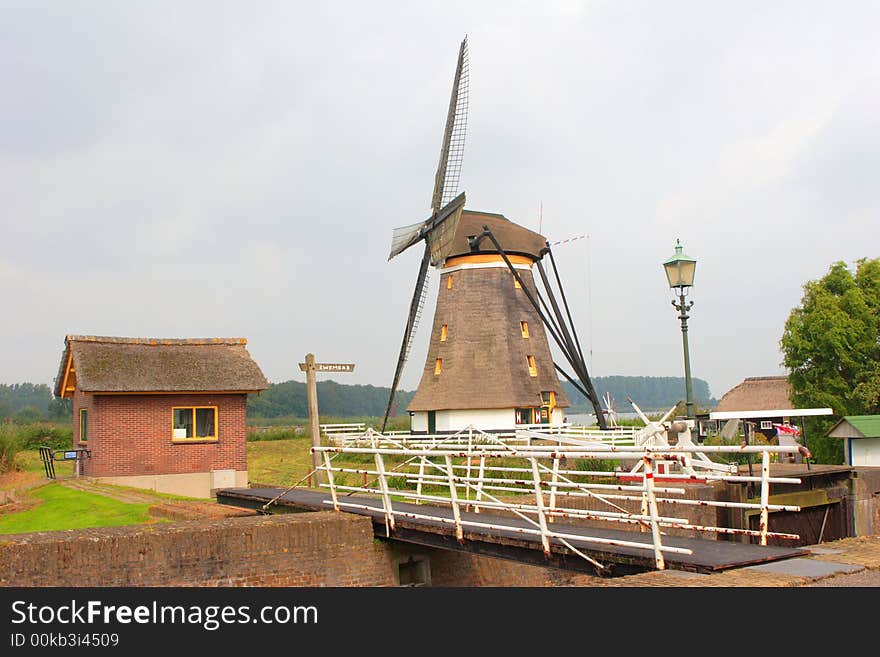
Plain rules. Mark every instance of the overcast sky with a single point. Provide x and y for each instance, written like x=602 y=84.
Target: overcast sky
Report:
x=200 y=169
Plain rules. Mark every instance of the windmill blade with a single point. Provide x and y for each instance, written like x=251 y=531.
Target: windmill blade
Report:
x=415 y=310
x=404 y=237
x=439 y=230
x=452 y=149
x=443 y=229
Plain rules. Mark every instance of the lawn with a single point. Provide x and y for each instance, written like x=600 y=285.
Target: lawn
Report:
x=63 y=508
x=279 y=462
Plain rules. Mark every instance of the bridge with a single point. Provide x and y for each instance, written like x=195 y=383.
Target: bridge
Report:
x=594 y=503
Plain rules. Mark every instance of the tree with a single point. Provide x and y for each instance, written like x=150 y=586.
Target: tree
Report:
x=831 y=348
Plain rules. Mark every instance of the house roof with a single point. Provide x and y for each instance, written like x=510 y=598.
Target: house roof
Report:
x=113 y=365
x=856 y=426
x=758 y=393
x=761 y=397
x=514 y=239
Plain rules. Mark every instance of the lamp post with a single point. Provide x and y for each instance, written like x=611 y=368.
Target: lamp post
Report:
x=680 y=270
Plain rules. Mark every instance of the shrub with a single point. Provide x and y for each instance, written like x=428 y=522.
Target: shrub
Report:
x=10 y=445
x=56 y=436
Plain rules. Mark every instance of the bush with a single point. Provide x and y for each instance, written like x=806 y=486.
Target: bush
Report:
x=10 y=445
x=56 y=436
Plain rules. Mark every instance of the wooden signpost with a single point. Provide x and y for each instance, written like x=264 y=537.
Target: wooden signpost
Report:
x=310 y=367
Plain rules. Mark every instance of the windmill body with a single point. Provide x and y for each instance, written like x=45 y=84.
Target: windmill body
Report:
x=488 y=363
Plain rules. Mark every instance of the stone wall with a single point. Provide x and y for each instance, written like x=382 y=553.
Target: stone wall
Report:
x=299 y=549
x=308 y=549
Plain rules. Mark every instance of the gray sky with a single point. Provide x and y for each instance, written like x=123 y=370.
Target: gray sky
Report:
x=199 y=169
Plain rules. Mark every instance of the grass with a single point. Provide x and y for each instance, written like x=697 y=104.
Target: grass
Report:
x=279 y=462
x=64 y=508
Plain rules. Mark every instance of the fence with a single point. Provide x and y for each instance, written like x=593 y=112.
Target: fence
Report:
x=474 y=469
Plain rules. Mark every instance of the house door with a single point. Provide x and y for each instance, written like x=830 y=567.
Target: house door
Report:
x=432 y=422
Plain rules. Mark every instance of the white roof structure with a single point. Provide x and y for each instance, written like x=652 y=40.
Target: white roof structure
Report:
x=778 y=412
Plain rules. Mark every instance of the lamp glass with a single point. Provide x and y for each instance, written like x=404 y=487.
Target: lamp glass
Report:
x=680 y=269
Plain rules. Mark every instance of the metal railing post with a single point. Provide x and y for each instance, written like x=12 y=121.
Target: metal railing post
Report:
x=652 y=507
x=765 y=495
x=467 y=490
x=386 y=498
x=553 y=481
x=453 y=495
x=481 y=475
x=331 y=481
x=539 y=502
x=421 y=476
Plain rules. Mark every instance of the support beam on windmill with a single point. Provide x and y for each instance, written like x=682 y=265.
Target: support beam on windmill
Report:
x=489 y=363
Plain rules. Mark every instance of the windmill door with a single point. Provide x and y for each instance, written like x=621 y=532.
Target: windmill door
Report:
x=432 y=422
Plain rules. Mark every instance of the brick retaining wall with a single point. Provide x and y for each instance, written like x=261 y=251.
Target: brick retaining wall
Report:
x=308 y=549
x=299 y=549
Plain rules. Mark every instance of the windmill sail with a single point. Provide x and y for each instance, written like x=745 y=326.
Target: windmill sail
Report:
x=438 y=230
x=452 y=151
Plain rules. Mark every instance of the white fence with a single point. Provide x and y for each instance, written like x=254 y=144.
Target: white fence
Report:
x=463 y=470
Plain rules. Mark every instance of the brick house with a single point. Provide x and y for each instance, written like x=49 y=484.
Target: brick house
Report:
x=163 y=414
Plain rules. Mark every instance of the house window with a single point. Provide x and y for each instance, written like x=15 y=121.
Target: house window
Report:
x=533 y=368
x=443 y=331
x=449 y=282
x=524 y=329
x=766 y=424
x=83 y=425
x=194 y=423
x=438 y=365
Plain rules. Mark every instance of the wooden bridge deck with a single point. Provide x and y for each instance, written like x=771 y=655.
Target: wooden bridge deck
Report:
x=511 y=543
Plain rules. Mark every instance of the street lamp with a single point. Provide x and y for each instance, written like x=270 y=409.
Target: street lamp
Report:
x=680 y=270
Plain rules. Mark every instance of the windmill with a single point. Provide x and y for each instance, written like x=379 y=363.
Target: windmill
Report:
x=489 y=363
x=610 y=412
x=436 y=231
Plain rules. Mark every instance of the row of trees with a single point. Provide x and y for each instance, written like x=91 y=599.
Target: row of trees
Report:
x=336 y=399
x=30 y=402
x=649 y=392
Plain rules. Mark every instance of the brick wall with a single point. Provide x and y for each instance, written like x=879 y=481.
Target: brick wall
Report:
x=130 y=435
x=82 y=400
x=300 y=549
x=308 y=549
x=448 y=568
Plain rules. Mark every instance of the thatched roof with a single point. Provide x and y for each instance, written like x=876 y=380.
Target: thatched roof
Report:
x=109 y=364
x=485 y=356
x=758 y=393
x=514 y=239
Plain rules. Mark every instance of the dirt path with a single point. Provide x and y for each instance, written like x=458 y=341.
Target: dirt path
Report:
x=159 y=506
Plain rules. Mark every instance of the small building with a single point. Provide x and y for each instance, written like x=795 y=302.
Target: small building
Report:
x=861 y=434
x=163 y=414
x=763 y=404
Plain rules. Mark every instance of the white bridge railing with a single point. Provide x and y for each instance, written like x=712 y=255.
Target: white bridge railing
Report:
x=477 y=471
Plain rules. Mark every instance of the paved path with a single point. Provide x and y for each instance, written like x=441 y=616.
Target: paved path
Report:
x=848 y=562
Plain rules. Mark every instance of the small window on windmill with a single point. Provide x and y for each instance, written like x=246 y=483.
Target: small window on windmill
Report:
x=438 y=365
x=449 y=282
x=533 y=367
x=516 y=283
x=444 y=330
x=524 y=329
